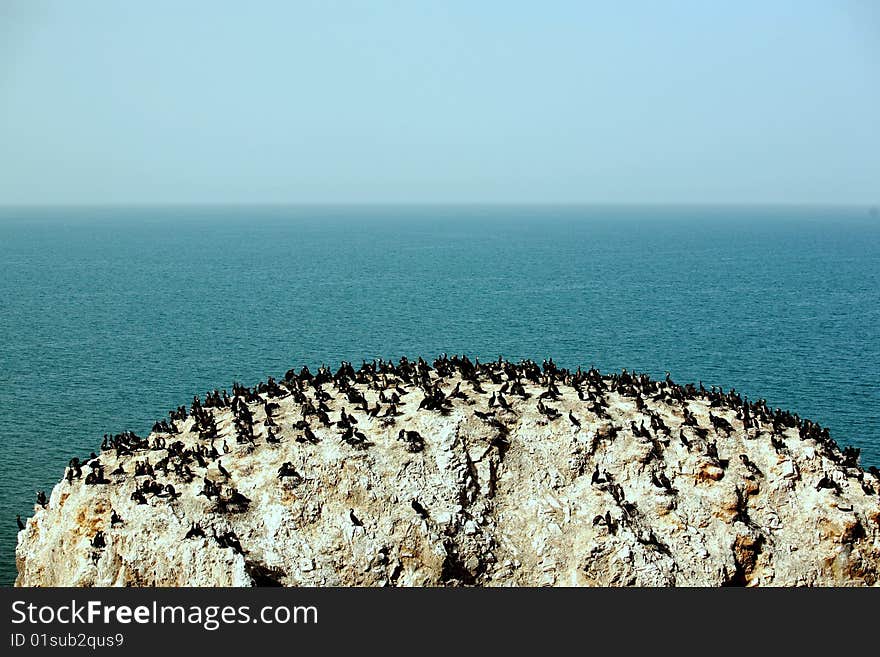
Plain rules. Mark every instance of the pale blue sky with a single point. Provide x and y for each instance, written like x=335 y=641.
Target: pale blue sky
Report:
x=349 y=102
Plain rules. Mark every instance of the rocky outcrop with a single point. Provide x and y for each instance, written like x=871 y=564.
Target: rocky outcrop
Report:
x=660 y=485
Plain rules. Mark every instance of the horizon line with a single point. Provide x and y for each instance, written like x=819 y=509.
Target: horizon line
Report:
x=438 y=204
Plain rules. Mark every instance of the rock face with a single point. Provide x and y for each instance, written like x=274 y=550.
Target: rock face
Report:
x=494 y=488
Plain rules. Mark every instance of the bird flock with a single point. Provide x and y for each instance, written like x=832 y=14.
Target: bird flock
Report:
x=340 y=404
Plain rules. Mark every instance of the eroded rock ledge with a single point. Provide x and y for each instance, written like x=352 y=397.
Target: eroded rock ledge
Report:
x=458 y=472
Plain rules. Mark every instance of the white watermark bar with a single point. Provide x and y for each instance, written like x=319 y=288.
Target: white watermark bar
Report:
x=210 y=617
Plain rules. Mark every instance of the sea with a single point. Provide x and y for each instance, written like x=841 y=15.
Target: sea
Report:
x=111 y=316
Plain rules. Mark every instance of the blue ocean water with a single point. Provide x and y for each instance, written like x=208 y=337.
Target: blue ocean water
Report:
x=110 y=317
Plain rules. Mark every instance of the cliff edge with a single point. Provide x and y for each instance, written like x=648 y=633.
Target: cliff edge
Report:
x=462 y=473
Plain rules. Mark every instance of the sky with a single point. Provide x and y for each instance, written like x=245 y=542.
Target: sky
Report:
x=105 y=102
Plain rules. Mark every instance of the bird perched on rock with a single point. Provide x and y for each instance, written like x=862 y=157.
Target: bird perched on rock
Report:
x=194 y=531
x=419 y=509
x=98 y=541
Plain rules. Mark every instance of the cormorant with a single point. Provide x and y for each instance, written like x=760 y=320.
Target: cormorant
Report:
x=827 y=482
x=194 y=531
x=750 y=465
x=287 y=470
x=418 y=508
x=98 y=541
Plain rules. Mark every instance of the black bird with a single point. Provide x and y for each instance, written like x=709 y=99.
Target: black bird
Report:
x=661 y=481
x=195 y=531
x=712 y=449
x=231 y=540
x=222 y=470
x=115 y=519
x=684 y=441
x=220 y=539
x=237 y=499
x=574 y=420
x=287 y=470
x=354 y=519
x=418 y=508
x=42 y=500
x=750 y=465
x=828 y=483
x=610 y=523
x=720 y=423
x=20 y=523
x=98 y=541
